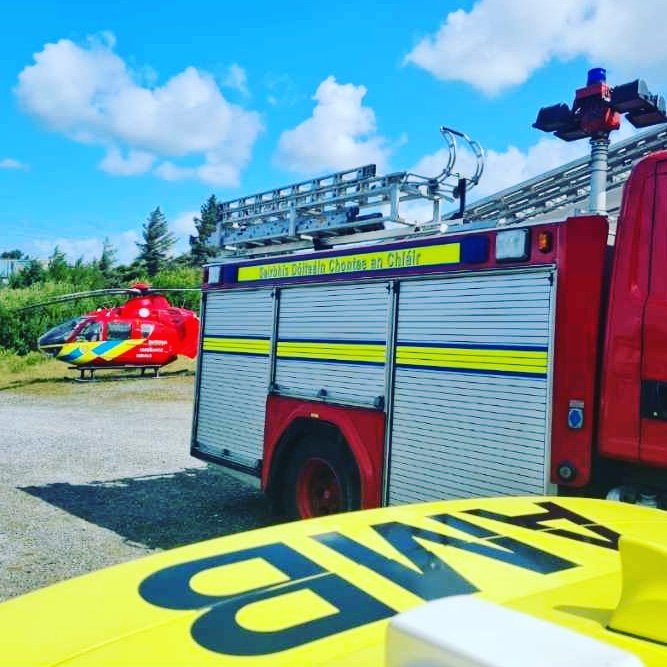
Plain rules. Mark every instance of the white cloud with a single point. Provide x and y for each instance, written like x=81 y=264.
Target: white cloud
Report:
x=340 y=134
x=88 y=248
x=512 y=166
x=236 y=78
x=125 y=244
x=89 y=93
x=136 y=162
x=183 y=227
x=11 y=163
x=183 y=223
x=501 y=43
x=283 y=91
x=172 y=172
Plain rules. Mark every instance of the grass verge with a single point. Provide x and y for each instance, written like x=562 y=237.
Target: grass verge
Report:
x=41 y=374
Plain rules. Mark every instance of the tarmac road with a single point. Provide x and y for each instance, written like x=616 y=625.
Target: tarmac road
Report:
x=98 y=473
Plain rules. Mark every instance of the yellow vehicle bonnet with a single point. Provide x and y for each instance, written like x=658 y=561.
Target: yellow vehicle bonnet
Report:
x=323 y=592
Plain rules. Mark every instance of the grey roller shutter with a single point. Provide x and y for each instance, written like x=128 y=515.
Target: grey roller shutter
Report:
x=332 y=342
x=233 y=375
x=472 y=387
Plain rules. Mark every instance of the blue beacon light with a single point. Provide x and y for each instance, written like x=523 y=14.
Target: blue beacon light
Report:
x=596 y=75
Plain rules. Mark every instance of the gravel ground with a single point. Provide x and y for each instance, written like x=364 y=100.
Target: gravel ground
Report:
x=98 y=473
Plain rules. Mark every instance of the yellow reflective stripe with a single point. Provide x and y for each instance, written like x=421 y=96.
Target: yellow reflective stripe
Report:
x=371 y=261
x=367 y=352
x=517 y=361
x=89 y=353
x=69 y=348
x=237 y=345
x=122 y=347
x=521 y=361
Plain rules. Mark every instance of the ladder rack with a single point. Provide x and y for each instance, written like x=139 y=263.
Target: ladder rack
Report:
x=325 y=211
x=329 y=203
x=311 y=213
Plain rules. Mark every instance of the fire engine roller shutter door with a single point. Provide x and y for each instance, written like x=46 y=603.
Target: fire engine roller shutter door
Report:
x=333 y=338
x=472 y=387
x=234 y=374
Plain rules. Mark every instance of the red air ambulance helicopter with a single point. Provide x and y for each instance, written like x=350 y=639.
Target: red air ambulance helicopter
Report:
x=144 y=332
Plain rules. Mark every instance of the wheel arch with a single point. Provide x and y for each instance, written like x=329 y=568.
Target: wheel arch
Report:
x=298 y=430
x=361 y=433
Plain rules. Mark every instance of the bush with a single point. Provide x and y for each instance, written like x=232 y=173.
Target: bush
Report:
x=20 y=329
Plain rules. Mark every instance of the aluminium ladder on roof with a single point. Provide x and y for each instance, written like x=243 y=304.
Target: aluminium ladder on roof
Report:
x=327 y=210
x=309 y=213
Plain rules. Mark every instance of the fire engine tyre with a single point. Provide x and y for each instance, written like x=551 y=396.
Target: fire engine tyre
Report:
x=320 y=479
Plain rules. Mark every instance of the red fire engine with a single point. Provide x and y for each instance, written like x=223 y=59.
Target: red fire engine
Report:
x=351 y=363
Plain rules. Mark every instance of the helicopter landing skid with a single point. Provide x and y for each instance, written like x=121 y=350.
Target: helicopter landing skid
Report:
x=91 y=371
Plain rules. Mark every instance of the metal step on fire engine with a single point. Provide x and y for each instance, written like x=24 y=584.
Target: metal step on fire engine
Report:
x=327 y=211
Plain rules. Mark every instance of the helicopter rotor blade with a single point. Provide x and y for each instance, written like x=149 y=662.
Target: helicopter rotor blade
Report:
x=159 y=290
x=135 y=290
x=81 y=295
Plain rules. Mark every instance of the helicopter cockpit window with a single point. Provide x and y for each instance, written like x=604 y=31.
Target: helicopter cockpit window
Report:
x=146 y=329
x=118 y=330
x=91 y=332
x=59 y=333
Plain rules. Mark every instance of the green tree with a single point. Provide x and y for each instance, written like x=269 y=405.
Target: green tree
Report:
x=126 y=274
x=200 y=245
x=107 y=260
x=12 y=254
x=57 y=268
x=157 y=243
x=85 y=275
x=32 y=274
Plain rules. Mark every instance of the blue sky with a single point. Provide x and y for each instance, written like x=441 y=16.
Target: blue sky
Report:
x=112 y=109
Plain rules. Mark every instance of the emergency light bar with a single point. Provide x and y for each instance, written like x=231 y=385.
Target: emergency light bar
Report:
x=595 y=113
x=596 y=109
x=641 y=107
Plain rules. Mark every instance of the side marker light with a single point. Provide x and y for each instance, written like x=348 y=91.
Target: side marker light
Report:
x=545 y=241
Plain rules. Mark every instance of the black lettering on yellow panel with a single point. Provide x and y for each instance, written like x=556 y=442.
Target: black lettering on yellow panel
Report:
x=606 y=537
x=170 y=588
x=503 y=548
x=435 y=578
x=218 y=629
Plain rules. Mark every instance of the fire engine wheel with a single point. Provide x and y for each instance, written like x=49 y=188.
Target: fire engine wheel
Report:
x=320 y=479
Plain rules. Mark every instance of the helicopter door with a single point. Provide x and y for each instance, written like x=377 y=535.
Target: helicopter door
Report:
x=91 y=333
x=119 y=330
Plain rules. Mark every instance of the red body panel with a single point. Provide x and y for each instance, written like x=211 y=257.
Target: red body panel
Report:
x=581 y=256
x=362 y=428
x=620 y=422
x=653 y=446
x=578 y=250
